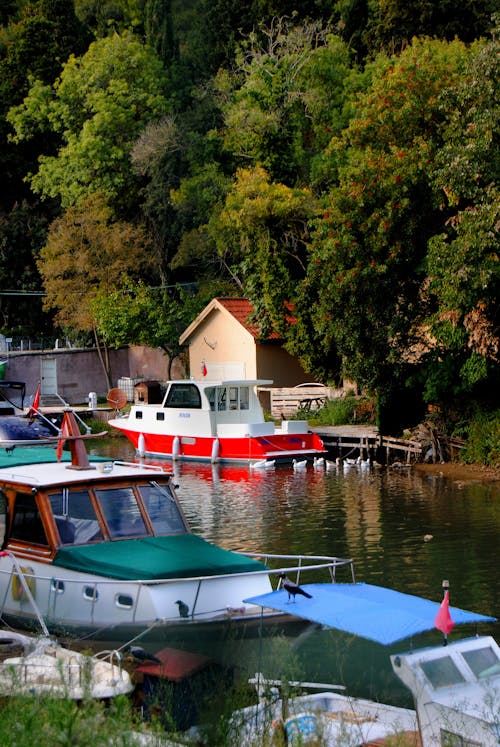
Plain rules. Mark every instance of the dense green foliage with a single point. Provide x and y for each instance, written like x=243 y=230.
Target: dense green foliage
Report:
x=337 y=164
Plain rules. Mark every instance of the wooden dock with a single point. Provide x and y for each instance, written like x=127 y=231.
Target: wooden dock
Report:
x=351 y=441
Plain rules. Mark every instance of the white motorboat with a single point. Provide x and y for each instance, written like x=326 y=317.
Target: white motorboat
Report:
x=215 y=421
x=103 y=549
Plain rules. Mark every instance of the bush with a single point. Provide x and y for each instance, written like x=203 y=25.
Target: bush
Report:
x=344 y=411
x=483 y=440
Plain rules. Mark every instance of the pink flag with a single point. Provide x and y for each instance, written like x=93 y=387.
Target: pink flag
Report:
x=443 y=621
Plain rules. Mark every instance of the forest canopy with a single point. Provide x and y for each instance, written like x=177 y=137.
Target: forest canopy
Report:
x=340 y=160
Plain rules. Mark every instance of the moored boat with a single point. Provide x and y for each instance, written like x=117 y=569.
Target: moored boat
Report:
x=104 y=549
x=215 y=421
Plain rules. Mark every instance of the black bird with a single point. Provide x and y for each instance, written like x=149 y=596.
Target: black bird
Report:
x=140 y=654
x=183 y=608
x=292 y=588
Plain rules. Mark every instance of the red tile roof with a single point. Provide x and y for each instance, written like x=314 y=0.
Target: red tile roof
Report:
x=242 y=309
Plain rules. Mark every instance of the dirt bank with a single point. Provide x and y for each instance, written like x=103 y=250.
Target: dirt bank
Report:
x=462 y=472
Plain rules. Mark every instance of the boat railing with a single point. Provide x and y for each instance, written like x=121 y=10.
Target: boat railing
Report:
x=131 y=588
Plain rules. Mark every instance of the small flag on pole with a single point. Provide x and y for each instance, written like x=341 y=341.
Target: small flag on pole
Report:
x=36 y=402
x=203 y=368
x=443 y=621
x=65 y=432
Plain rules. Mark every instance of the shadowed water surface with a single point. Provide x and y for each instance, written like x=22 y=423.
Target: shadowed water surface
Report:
x=404 y=530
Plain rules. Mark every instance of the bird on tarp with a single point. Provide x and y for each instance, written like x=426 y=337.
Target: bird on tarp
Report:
x=183 y=608
x=292 y=588
x=139 y=654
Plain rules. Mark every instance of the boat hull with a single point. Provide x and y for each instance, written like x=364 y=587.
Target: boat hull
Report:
x=282 y=447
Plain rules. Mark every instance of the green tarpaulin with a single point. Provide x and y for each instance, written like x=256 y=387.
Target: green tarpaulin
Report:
x=177 y=556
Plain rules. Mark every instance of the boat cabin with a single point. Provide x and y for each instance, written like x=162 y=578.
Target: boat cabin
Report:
x=39 y=519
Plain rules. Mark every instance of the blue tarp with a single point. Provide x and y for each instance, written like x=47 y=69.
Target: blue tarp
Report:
x=373 y=612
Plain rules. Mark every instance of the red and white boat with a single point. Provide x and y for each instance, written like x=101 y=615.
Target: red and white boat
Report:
x=215 y=421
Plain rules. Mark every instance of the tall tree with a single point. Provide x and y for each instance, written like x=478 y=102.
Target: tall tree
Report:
x=463 y=261
x=376 y=223
x=87 y=253
x=97 y=108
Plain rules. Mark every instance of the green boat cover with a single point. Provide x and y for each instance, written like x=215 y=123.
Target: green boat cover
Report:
x=149 y=558
x=31 y=455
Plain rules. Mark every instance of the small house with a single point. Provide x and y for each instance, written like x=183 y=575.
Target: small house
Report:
x=225 y=343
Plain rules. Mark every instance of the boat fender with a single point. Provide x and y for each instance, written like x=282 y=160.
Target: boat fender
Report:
x=18 y=592
x=141 y=445
x=215 y=450
x=176 y=448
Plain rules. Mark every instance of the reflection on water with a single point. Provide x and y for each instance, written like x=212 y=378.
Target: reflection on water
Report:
x=404 y=530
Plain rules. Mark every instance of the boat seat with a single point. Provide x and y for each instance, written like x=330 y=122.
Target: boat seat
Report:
x=66 y=530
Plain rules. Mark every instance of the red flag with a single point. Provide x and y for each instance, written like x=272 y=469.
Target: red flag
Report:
x=203 y=368
x=36 y=402
x=443 y=621
x=65 y=431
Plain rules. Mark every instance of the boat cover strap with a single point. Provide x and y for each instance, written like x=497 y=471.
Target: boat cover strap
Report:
x=176 y=556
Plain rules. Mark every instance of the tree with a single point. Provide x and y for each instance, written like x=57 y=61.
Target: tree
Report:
x=463 y=261
x=86 y=254
x=97 y=108
x=144 y=315
x=376 y=223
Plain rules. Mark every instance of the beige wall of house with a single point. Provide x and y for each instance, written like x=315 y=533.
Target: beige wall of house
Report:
x=225 y=347
x=229 y=351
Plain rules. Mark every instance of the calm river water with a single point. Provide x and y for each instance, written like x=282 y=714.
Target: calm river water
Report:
x=404 y=530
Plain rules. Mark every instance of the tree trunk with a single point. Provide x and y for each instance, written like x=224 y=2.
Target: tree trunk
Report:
x=103 y=352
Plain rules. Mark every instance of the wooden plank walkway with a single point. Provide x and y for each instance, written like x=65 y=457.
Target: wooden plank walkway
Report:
x=351 y=441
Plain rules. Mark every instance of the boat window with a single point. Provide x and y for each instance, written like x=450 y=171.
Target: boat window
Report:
x=163 y=511
x=122 y=513
x=442 y=672
x=233 y=397
x=4 y=518
x=75 y=517
x=160 y=416
x=183 y=395
x=244 y=397
x=221 y=398
x=26 y=522
x=138 y=414
x=210 y=392
x=483 y=662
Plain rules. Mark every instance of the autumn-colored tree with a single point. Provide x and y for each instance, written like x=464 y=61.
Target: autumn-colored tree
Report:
x=464 y=259
x=367 y=261
x=86 y=253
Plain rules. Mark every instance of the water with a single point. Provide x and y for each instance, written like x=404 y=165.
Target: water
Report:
x=404 y=530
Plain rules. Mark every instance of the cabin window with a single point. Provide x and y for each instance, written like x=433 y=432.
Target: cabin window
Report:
x=90 y=593
x=163 y=511
x=210 y=393
x=26 y=522
x=4 y=518
x=138 y=414
x=160 y=416
x=122 y=513
x=244 y=397
x=442 y=672
x=75 y=517
x=183 y=395
x=57 y=586
x=124 y=601
x=221 y=399
x=483 y=662
x=233 y=397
